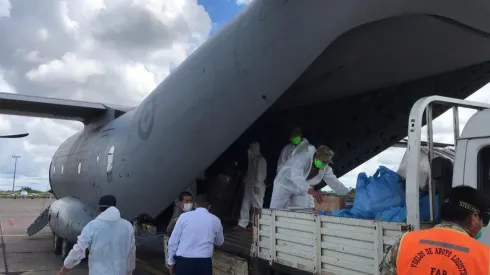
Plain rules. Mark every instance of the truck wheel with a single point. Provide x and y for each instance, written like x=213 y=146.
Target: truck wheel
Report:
x=57 y=243
x=65 y=249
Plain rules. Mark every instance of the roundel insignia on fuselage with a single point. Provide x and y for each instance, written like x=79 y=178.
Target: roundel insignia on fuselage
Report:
x=147 y=118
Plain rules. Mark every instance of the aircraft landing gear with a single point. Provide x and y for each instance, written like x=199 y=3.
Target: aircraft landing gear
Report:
x=61 y=246
x=57 y=243
x=65 y=249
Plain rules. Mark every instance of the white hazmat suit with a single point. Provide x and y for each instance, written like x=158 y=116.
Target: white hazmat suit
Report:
x=290 y=150
x=110 y=240
x=291 y=185
x=254 y=184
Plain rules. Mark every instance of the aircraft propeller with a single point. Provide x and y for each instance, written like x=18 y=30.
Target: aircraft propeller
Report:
x=15 y=136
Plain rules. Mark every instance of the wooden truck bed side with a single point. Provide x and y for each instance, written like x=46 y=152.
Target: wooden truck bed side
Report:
x=323 y=244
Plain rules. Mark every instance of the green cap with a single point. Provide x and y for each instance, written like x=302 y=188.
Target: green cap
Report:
x=324 y=154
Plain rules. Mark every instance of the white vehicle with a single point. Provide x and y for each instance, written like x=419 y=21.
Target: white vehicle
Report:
x=301 y=242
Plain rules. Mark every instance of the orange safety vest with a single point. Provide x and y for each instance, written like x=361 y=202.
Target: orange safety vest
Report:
x=441 y=251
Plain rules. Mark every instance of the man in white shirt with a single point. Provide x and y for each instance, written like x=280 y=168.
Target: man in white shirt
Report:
x=191 y=245
x=110 y=240
x=297 y=178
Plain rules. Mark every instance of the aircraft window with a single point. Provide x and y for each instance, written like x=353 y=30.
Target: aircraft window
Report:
x=484 y=170
x=62 y=169
x=79 y=167
x=110 y=160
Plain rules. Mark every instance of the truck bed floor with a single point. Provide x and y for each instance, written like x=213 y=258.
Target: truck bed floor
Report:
x=237 y=242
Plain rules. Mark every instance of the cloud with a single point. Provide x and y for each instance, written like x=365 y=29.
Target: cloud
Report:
x=243 y=2
x=109 y=51
x=69 y=68
x=5 y=8
x=5 y=87
x=5 y=125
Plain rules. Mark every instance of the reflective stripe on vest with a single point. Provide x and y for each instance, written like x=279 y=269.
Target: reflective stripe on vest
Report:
x=441 y=251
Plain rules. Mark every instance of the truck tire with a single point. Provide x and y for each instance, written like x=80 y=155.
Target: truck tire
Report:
x=65 y=249
x=57 y=243
x=260 y=268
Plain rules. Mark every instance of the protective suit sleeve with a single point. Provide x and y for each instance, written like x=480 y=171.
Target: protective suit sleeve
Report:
x=261 y=170
x=282 y=158
x=297 y=177
x=334 y=183
x=173 y=242
x=77 y=253
x=131 y=261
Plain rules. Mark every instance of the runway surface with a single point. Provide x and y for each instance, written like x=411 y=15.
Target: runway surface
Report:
x=20 y=254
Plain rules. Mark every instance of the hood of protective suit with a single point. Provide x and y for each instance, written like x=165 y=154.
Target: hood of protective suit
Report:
x=254 y=150
x=110 y=214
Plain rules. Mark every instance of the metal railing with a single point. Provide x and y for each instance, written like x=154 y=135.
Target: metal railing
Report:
x=414 y=143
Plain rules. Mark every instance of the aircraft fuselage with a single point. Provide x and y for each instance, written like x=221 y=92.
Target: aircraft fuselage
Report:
x=89 y=164
x=272 y=51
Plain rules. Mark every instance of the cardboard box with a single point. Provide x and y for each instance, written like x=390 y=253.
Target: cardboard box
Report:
x=331 y=203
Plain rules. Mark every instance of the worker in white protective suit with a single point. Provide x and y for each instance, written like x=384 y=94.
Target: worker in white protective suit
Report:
x=297 y=177
x=297 y=144
x=254 y=184
x=110 y=240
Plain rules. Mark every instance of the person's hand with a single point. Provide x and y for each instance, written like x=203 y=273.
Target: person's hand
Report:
x=171 y=269
x=63 y=271
x=318 y=195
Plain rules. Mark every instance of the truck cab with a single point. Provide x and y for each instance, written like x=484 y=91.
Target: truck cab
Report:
x=472 y=163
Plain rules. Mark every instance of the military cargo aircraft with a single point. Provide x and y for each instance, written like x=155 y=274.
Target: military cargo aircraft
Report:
x=347 y=72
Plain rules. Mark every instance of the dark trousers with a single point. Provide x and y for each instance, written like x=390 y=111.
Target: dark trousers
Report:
x=193 y=266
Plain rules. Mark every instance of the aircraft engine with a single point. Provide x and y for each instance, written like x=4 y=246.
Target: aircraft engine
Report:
x=68 y=216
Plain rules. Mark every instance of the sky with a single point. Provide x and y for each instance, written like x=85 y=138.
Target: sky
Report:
x=109 y=51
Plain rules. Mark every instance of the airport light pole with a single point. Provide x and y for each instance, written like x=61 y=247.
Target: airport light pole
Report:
x=15 y=170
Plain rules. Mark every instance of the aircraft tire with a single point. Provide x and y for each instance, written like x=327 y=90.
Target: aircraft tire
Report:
x=65 y=249
x=57 y=243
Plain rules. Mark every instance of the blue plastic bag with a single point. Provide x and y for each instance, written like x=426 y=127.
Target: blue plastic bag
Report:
x=424 y=208
x=394 y=214
x=399 y=214
x=378 y=193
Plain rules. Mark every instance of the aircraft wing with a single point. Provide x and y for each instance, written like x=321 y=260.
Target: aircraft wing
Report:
x=34 y=106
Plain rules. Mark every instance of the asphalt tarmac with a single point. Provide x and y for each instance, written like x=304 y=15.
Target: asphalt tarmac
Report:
x=20 y=254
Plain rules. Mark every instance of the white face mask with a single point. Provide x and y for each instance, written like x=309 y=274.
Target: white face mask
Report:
x=187 y=207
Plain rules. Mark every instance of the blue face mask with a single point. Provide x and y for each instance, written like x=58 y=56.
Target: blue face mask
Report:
x=478 y=236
